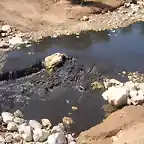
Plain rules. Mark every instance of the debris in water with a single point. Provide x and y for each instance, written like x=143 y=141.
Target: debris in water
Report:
x=97 y=85
x=67 y=120
x=74 y=108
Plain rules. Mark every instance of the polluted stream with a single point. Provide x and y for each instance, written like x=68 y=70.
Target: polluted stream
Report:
x=27 y=86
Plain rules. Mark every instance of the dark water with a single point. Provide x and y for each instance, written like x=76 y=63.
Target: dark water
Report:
x=113 y=50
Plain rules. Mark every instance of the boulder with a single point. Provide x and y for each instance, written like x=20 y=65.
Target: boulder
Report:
x=57 y=138
x=34 y=124
x=7 y=117
x=116 y=96
x=12 y=126
x=54 y=60
x=46 y=123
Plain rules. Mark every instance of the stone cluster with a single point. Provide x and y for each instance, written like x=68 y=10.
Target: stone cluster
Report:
x=119 y=94
x=17 y=130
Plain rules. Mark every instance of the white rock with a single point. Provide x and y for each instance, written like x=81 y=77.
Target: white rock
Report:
x=27 y=134
x=133 y=93
x=17 y=137
x=58 y=128
x=116 y=95
x=46 y=123
x=16 y=41
x=111 y=82
x=21 y=128
x=8 y=138
x=7 y=117
x=54 y=60
x=40 y=135
x=19 y=120
x=12 y=126
x=57 y=138
x=73 y=142
x=141 y=87
x=130 y=85
x=6 y=28
x=34 y=124
x=18 y=113
x=140 y=92
x=45 y=135
x=37 y=134
x=129 y=101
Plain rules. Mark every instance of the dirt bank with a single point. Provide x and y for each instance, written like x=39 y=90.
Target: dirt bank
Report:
x=118 y=128
x=44 y=18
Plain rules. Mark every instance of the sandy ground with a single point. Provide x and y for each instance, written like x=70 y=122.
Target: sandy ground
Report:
x=49 y=17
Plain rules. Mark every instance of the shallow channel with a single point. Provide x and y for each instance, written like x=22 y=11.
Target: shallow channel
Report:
x=107 y=52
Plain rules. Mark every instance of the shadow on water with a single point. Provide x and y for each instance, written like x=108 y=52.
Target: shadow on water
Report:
x=107 y=52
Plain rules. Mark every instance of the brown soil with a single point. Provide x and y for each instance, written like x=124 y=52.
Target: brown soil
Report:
x=34 y=15
x=122 y=119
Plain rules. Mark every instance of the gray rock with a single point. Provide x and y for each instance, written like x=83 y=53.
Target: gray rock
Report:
x=18 y=113
x=19 y=120
x=58 y=128
x=12 y=126
x=40 y=135
x=27 y=134
x=1 y=119
x=8 y=137
x=46 y=123
x=34 y=124
x=57 y=138
x=7 y=117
